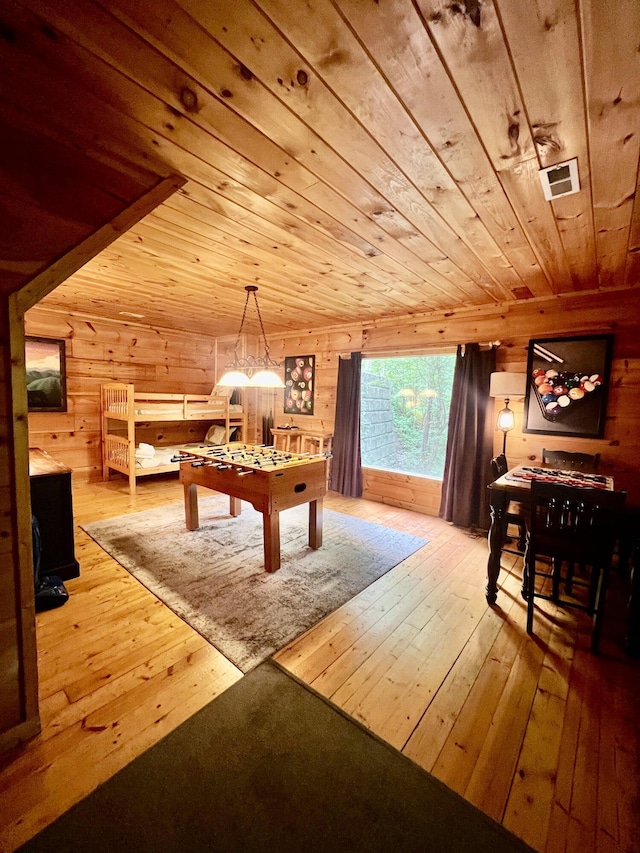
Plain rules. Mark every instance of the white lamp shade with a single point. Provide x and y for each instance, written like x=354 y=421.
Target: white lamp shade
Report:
x=508 y=385
x=234 y=379
x=266 y=379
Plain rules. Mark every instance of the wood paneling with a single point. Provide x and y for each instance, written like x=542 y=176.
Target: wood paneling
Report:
x=163 y=360
x=19 y=717
x=100 y=351
x=362 y=160
x=41 y=285
x=372 y=170
x=514 y=326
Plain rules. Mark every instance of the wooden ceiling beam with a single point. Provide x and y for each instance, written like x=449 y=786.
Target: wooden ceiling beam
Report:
x=60 y=270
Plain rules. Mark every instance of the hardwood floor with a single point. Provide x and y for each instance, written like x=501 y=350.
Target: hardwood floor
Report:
x=536 y=732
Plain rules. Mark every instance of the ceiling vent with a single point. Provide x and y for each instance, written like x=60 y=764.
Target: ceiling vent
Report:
x=560 y=180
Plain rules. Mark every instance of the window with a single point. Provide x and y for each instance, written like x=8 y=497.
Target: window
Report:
x=405 y=413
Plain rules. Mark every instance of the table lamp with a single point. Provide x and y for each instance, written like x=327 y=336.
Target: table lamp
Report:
x=507 y=385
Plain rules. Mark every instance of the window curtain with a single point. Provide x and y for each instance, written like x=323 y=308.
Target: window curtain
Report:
x=465 y=499
x=268 y=400
x=346 y=468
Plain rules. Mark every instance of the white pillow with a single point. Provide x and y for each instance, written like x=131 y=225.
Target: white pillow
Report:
x=215 y=435
x=221 y=392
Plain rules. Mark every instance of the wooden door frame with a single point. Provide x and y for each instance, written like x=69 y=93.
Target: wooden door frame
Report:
x=17 y=304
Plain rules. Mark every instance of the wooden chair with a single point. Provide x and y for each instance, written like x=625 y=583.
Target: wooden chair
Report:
x=568 y=461
x=571 y=461
x=573 y=526
x=515 y=514
x=286 y=440
x=319 y=443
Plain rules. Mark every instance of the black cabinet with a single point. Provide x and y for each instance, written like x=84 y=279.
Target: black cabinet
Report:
x=52 y=505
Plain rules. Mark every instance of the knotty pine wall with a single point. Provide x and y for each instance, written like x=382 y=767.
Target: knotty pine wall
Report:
x=98 y=351
x=154 y=359
x=615 y=312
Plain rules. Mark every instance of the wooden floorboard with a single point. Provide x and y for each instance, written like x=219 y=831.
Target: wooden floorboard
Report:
x=535 y=731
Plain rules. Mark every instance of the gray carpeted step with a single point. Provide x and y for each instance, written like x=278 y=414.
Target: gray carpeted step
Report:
x=270 y=765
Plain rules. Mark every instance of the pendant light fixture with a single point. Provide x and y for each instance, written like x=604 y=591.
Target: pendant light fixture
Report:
x=251 y=372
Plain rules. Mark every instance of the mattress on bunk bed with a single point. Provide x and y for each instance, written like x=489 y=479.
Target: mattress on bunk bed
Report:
x=149 y=456
x=165 y=455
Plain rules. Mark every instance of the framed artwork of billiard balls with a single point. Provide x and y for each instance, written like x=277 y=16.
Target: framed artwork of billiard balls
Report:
x=299 y=381
x=567 y=386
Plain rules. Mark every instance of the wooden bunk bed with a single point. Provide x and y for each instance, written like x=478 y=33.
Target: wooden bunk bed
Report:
x=124 y=410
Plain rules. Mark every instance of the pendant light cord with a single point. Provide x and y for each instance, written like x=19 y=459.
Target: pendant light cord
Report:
x=252 y=290
x=264 y=335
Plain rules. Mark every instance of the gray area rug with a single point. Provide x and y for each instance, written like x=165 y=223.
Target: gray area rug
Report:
x=269 y=766
x=214 y=577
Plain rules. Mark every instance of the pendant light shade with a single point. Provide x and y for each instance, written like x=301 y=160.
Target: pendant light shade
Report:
x=266 y=379
x=251 y=372
x=234 y=379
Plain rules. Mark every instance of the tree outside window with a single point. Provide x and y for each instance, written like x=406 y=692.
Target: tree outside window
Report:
x=405 y=413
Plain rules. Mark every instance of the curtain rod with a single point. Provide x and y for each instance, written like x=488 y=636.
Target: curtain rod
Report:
x=484 y=345
x=408 y=353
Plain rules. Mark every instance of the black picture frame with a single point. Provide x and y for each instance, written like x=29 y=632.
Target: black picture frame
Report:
x=299 y=382
x=574 y=401
x=46 y=374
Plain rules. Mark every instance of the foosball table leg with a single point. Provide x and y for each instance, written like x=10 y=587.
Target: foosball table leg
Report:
x=315 y=524
x=271 y=525
x=191 y=506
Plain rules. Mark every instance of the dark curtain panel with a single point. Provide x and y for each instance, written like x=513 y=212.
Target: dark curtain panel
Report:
x=346 y=469
x=465 y=499
x=268 y=398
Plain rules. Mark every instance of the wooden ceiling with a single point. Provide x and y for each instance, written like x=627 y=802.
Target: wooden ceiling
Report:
x=355 y=159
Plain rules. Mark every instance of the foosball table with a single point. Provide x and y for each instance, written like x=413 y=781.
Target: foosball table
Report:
x=269 y=479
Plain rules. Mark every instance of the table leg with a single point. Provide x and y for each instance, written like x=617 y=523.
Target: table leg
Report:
x=497 y=533
x=235 y=506
x=191 y=506
x=315 y=524
x=271 y=532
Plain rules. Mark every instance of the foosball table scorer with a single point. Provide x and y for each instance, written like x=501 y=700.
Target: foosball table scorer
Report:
x=268 y=479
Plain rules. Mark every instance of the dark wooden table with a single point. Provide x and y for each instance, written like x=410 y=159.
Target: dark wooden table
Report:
x=510 y=487
x=270 y=488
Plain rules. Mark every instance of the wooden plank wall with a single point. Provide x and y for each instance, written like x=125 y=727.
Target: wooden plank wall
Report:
x=618 y=313
x=162 y=360
x=100 y=351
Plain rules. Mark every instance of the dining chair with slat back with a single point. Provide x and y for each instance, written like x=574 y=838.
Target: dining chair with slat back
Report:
x=515 y=513
x=571 y=525
x=571 y=461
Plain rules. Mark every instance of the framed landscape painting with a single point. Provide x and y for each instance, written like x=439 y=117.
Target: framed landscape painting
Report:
x=299 y=376
x=46 y=374
x=567 y=386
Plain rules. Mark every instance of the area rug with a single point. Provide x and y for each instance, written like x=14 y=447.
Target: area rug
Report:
x=214 y=577
x=269 y=766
